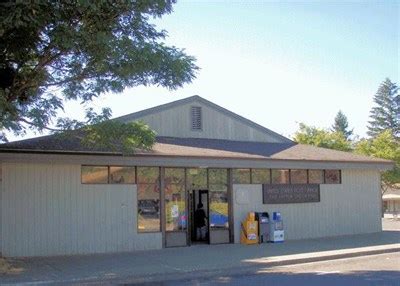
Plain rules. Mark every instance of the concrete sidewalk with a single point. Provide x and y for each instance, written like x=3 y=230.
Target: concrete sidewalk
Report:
x=195 y=261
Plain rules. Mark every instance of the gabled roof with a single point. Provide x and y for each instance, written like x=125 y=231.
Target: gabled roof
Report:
x=195 y=147
x=196 y=98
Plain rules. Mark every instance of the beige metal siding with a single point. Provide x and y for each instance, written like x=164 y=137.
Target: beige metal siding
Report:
x=349 y=208
x=176 y=122
x=47 y=211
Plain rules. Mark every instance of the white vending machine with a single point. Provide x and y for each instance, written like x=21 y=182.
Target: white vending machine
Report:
x=276 y=232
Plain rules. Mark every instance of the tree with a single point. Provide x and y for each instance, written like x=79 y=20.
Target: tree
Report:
x=386 y=114
x=384 y=146
x=53 y=51
x=341 y=125
x=322 y=138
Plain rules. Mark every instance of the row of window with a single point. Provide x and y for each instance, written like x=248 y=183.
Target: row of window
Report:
x=177 y=180
x=198 y=178
x=285 y=176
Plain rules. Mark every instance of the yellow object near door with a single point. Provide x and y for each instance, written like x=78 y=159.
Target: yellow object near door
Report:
x=249 y=230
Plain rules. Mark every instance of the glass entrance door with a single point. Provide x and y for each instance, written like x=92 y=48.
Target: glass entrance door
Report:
x=183 y=190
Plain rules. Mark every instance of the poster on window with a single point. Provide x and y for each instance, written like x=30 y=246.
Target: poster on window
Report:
x=174 y=211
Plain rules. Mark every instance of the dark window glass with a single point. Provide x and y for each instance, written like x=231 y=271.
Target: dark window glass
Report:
x=316 y=176
x=148 y=196
x=122 y=175
x=241 y=176
x=219 y=216
x=332 y=176
x=260 y=176
x=148 y=175
x=218 y=176
x=196 y=178
x=280 y=176
x=298 y=176
x=94 y=174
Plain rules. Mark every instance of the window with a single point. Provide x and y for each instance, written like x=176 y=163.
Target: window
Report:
x=122 y=175
x=241 y=176
x=218 y=176
x=108 y=175
x=175 y=199
x=94 y=174
x=332 y=177
x=218 y=192
x=174 y=176
x=261 y=176
x=219 y=216
x=280 y=176
x=148 y=196
x=148 y=175
x=298 y=176
x=196 y=117
x=315 y=176
x=196 y=178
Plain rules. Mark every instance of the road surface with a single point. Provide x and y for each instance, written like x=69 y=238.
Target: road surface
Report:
x=383 y=269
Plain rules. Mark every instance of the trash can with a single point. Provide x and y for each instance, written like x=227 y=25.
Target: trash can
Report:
x=263 y=227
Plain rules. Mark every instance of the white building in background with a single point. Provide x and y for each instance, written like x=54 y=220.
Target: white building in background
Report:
x=391 y=202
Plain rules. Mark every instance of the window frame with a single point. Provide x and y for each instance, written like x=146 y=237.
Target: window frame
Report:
x=340 y=176
x=158 y=184
x=108 y=175
x=188 y=175
x=323 y=176
x=287 y=183
x=184 y=184
x=123 y=166
x=210 y=191
x=291 y=180
x=241 y=183
x=252 y=176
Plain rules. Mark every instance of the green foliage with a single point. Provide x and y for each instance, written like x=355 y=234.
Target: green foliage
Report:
x=52 y=51
x=384 y=129
x=385 y=146
x=342 y=125
x=386 y=114
x=114 y=135
x=322 y=138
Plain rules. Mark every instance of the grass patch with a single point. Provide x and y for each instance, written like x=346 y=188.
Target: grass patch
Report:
x=7 y=268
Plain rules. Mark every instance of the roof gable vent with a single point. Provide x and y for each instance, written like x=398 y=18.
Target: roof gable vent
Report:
x=196 y=118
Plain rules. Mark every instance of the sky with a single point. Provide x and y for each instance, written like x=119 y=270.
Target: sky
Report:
x=279 y=63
